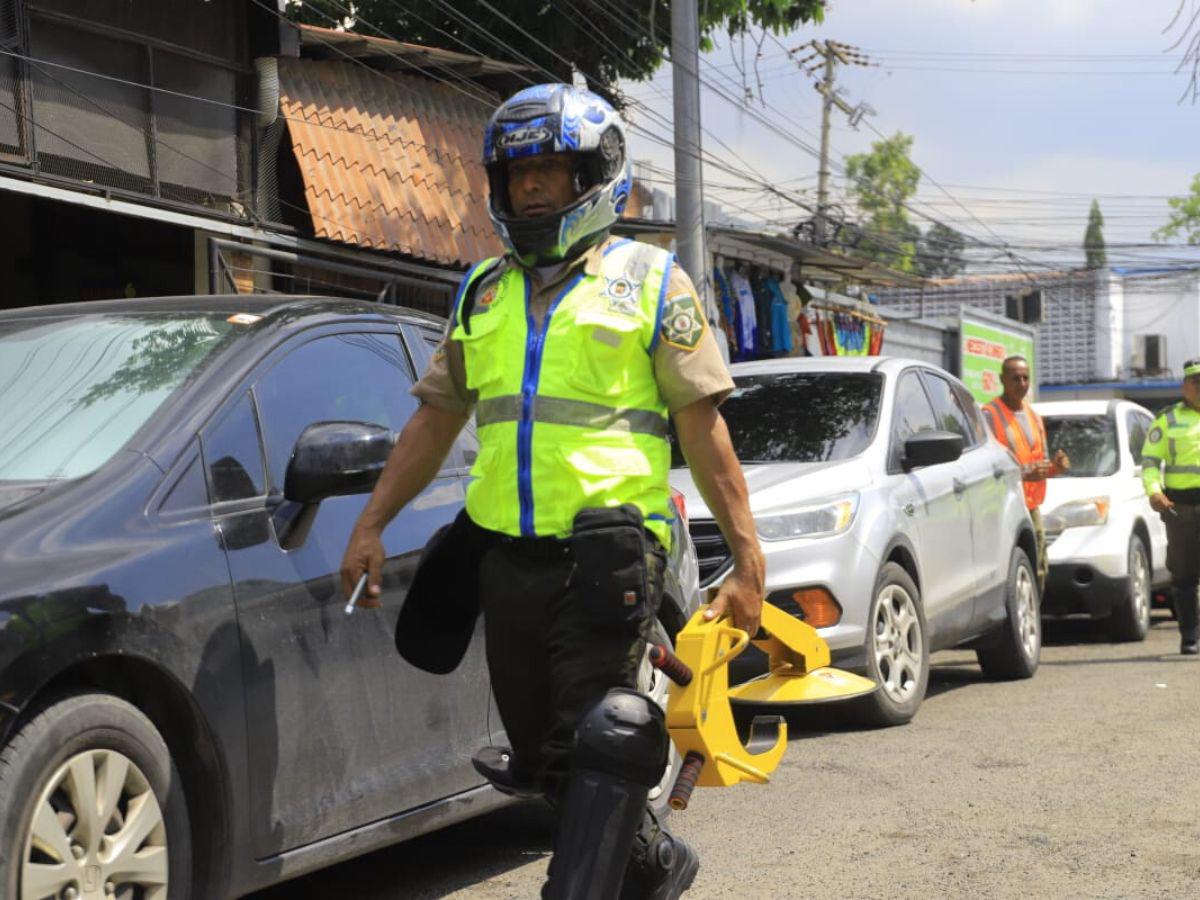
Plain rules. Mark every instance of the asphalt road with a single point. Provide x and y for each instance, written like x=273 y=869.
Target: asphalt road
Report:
x=1083 y=782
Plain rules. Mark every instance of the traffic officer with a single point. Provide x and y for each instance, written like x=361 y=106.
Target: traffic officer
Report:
x=1021 y=430
x=1171 y=476
x=571 y=350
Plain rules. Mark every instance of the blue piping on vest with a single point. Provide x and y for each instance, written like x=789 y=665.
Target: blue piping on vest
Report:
x=534 y=341
x=662 y=298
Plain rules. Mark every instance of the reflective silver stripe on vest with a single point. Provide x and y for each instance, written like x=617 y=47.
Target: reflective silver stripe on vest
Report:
x=1183 y=470
x=1171 y=448
x=1171 y=423
x=560 y=411
x=1153 y=461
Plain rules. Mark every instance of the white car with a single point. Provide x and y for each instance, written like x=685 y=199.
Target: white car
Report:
x=889 y=520
x=1106 y=547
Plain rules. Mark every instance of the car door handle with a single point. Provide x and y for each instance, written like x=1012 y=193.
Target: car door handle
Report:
x=909 y=509
x=959 y=488
x=997 y=472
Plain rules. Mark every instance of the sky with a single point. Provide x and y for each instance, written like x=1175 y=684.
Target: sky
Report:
x=1021 y=112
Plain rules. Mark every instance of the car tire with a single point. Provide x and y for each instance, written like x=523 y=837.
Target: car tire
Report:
x=89 y=778
x=1130 y=620
x=1018 y=647
x=897 y=651
x=656 y=685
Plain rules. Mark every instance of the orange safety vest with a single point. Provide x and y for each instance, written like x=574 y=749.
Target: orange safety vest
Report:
x=1009 y=433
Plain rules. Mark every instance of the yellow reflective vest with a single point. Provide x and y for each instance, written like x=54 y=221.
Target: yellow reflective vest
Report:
x=569 y=414
x=1171 y=454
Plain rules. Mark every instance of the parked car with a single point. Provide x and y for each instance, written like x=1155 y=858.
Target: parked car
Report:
x=890 y=521
x=1106 y=548
x=181 y=694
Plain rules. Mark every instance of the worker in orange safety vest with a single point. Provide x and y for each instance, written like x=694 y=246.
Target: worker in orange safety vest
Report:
x=1021 y=430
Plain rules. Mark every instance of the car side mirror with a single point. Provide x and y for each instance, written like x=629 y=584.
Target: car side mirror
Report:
x=931 y=448
x=332 y=459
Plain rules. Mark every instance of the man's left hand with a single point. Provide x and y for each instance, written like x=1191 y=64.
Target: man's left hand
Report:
x=740 y=596
x=1062 y=463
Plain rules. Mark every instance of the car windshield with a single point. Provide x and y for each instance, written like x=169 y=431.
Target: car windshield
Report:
x=1090 y=443
x=800 y=416
x=74 y=390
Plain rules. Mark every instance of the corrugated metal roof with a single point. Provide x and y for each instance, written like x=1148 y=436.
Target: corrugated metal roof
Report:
x=363 y=46
x=389 y=161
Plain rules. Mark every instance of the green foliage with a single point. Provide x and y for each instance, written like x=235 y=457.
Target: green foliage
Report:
x=607 y=40
x=1185 y=217
x=940 y=252
x=881 y=183
x=1093 y=239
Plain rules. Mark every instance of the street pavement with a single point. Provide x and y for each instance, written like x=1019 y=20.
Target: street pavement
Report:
x=1083 y=782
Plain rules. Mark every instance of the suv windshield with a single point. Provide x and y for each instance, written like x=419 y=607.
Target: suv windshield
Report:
x=800 y=416
x=1090 y=442
x=74 y=390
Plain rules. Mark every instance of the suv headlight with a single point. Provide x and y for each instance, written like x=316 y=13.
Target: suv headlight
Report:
x=819 y=519
x=1077 y=513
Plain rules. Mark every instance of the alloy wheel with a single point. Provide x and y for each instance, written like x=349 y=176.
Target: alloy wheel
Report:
x=1029 y=626
x=1139 y=577
x=97 y=833
x=899 y=644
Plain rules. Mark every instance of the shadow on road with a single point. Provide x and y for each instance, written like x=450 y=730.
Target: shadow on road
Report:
x=434 y=865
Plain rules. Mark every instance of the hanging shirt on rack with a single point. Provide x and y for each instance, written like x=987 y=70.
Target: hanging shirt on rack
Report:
x=728 y=309
x=748 y=318
x=781 y=326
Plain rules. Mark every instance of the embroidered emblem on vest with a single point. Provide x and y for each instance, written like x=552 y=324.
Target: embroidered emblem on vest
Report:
x=682 y=325
x=487 y=299
x=622 y=295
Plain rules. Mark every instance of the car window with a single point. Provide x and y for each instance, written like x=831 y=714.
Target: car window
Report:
x=911 y=414
x=1138 y=425
x=799 y=416
x=1089 y=441
x=189 y=491
x=233 y=454
x=361 y=377
x=974 y=414
x=947 y=410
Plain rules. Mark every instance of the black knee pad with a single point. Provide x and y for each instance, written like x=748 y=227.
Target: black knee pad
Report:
x=625 y=735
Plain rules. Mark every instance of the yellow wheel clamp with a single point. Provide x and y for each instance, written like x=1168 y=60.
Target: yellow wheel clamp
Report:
x=699 y=715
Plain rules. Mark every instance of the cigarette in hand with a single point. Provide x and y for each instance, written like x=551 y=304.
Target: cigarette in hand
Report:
x=358 y=589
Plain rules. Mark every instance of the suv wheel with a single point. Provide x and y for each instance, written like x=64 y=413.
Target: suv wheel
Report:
x=1131 y=619
x=1018 y=646
x=656 y=685
x=92 y=806
x=897 y=650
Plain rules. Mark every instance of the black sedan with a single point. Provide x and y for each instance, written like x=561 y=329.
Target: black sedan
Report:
x=185 y=709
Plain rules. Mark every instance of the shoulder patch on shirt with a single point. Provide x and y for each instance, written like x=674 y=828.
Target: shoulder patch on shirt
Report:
x=1155 y=435
x=683 y=323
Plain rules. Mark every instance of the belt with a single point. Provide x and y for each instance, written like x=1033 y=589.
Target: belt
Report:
x=1185 y=496
x=542 y=549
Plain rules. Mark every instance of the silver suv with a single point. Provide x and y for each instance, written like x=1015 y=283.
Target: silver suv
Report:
x=891 y=520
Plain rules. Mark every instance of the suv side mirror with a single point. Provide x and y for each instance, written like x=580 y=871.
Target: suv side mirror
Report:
x=930 y=448
x=332 y=459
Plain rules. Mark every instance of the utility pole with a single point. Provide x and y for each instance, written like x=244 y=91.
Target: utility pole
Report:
x=689 y=190
x=832 y=53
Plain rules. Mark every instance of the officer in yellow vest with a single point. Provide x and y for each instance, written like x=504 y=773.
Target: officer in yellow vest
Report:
x=1171 y=476
x=572 y=350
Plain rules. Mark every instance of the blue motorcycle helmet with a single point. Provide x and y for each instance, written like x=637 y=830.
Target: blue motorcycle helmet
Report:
x=558 y=118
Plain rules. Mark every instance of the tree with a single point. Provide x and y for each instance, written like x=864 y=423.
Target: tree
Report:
x=1185 y=217
x=1093 y=239
x=605 y=39
x=940 y=252
x=881 y=184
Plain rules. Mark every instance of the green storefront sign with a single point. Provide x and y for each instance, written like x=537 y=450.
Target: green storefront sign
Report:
x=985 y=341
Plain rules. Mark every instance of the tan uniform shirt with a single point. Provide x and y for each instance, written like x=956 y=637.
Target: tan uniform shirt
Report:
x=686 y=369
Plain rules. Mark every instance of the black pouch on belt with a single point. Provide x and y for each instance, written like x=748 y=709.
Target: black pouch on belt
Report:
x=609 y=583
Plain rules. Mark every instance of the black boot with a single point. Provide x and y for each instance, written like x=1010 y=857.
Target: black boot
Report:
x=496 y=765
x=661 y=865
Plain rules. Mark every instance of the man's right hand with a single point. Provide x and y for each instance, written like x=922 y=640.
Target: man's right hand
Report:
x=363 y=554
x=1160 y=502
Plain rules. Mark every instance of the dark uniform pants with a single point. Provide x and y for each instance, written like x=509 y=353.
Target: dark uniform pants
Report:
x=549 y=663
x=1183 y=561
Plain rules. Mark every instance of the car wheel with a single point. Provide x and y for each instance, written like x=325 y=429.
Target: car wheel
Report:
x=656 y=685
x=92 y=806
x=1018 y=647
x=1131 y=619
x=897 y=651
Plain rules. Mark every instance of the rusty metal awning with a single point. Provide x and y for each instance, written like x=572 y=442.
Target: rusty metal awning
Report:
x=389 y=161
